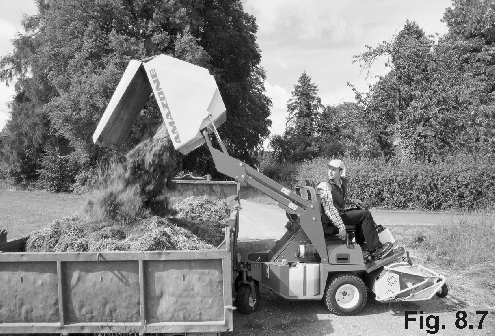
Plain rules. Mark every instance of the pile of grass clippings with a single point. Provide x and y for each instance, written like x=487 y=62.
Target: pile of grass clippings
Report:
x=203 y=209
x=199 y=224
x=164 y=235
x=62 y=235
x=77 y=234
x=205 y=216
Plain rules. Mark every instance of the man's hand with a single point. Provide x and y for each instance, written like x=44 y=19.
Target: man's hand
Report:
x=360 y=204
x=342 y=234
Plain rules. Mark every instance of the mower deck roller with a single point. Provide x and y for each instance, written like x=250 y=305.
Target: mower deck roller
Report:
x=405 y=282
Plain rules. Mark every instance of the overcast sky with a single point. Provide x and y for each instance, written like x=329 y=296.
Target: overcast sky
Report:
x=316 y=36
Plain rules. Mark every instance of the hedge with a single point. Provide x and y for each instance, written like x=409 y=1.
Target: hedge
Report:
x=458 y=183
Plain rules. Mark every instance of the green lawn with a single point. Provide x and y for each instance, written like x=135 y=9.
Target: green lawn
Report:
x=24 y=211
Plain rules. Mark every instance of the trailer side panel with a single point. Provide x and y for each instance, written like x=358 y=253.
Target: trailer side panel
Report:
x=28 y=292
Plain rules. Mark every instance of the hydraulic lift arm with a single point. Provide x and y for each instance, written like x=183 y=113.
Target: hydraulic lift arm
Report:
x=307 y=210
x=184 y=93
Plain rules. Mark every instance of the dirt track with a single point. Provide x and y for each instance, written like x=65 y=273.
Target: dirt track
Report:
x=261 y=225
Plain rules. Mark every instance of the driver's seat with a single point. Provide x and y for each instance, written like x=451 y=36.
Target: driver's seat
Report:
x=330 y=230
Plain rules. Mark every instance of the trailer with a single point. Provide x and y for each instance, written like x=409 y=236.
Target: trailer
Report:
x=176 y=292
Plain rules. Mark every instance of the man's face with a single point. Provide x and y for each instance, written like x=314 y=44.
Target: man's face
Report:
x=333 y=173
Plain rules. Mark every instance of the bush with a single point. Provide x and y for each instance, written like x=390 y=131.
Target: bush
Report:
x=87 y=179
x=461 y=182
x=57 y=171
x=283 y=173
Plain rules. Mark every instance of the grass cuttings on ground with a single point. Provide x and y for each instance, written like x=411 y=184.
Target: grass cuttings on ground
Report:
x=462 y=250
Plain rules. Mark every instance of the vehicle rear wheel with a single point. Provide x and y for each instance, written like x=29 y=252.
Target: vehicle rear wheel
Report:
x=244 y=301
x=346 y=294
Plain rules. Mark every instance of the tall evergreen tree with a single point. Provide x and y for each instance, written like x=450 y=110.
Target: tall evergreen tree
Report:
x=299 y=141
x=303 y=107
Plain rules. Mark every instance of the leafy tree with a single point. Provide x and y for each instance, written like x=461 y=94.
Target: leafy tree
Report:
x=29 y=126
x=74 y=53
x=471 y=41
x=343 y=131
x=429 y=104
x=229 y=38
x=390 y=104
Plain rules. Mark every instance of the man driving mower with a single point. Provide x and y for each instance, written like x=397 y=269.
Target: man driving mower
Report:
x=335 y=215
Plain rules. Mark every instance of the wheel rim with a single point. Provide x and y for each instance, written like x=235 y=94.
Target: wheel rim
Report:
x=251 y=301
x=347 y=296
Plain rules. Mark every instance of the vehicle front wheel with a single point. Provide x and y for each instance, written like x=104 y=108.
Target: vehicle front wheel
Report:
x=345 y=294
x=244 y=301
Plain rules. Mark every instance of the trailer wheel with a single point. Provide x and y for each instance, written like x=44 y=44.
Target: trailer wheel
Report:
x=346 y=295
x=444 y=291
x=245 y=302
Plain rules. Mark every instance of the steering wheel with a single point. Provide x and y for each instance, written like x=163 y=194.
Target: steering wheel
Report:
x=353 y=207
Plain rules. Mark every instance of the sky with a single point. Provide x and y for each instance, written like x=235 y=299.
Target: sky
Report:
x=319 y=37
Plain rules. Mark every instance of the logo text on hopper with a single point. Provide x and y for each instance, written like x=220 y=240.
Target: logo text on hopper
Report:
x=166 y=111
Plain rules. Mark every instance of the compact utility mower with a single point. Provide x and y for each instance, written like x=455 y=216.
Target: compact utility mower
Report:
x=303 y=264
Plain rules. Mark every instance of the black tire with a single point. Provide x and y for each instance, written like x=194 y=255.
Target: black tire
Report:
x=244 y=302
x=346 y=294
x=237 y=282
x=444 y=291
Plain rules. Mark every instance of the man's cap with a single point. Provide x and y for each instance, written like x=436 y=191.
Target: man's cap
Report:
x=336 y=163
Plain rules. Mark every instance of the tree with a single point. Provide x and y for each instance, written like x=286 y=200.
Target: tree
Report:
x=303 y=107
x=425 y=107
x=229 y=38
x=29 y=128
x=343 y=131
x=78 y=50
x=471 y=41
x=299 y=141
x=391 y=105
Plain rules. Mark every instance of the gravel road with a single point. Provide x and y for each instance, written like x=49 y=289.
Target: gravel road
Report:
x=262 y=224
